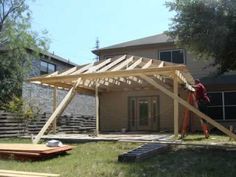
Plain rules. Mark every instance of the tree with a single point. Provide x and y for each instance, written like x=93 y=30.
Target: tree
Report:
x=18 y=46
x=207 y=29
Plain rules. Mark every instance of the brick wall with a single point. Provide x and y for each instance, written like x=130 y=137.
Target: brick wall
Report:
x=41 y=97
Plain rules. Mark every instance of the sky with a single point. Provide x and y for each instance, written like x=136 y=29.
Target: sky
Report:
x=74 y=25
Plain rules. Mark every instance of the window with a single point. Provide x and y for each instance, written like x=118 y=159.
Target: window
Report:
x=223 y=105
x=46 y=68
x=175 y=56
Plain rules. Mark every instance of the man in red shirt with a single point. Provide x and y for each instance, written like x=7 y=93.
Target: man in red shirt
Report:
x=203 y=101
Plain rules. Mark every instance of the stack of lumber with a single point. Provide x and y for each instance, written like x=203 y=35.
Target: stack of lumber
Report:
x=31 y=151
x=11 y=173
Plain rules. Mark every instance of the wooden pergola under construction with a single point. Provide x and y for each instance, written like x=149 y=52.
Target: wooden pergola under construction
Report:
x=122 y=73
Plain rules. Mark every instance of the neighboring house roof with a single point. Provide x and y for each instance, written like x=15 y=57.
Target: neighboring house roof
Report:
x=50 y=55
x=155 y=39
x=56 y=57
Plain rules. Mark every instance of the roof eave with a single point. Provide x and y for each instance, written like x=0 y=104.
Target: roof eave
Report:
x=97 y=52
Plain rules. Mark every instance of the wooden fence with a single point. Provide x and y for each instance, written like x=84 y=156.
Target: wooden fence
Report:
x=12 y=125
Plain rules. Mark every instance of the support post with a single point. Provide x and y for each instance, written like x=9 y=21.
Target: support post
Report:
x=176 y=108
x=97 y=110
x=189 y=106
x=54 y=108
x=58 y=111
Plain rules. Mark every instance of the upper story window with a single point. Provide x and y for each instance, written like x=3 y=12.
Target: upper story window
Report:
x=174 y=56
x=46 y=67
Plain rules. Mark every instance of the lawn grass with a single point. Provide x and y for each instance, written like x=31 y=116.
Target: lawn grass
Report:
x=200 y=139
x=100 y=160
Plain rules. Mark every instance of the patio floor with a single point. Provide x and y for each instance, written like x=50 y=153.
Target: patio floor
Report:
x=74 y=138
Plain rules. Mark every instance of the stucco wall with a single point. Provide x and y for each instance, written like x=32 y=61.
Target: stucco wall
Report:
x=41 y=96
x=114 y=109
x=197 y=68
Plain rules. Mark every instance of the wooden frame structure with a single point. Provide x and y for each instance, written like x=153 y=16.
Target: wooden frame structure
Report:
x=123 y=73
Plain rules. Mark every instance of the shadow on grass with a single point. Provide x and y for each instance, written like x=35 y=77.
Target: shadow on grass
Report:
x=194 y=139
x=192 y=162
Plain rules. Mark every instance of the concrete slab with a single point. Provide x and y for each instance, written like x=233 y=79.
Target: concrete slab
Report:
x=76 y=138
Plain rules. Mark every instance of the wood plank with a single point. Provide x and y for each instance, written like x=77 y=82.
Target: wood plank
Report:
x=112 y=64
x=4 y=172
x=81 y=70
x=24 y=147
x=123 y=64
x=54 y=105
x=21 y=153
x=161 y=64
x=190 y=107
x=149 y=63
x=69 y=71
x=184 y=80
x=57 y=150
x=112 y=74
x=97 y=110
x=98 y=66
x=176 y=108
x=58 y=110
x=135 y=64
x=52 y=74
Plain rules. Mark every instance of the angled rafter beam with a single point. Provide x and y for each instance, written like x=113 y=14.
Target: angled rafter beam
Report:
x=58 y=111
x=161 y=64
x=149 y=63
x=69 y=71
x=81 y=70
x=52 y=74
x=184 y=80
x=123 y=64
x=188 y=106
x=135 y=64
x=98 y=66
x=112 y=64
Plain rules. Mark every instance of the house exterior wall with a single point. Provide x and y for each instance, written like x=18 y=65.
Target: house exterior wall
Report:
x=114 y=109
x=117 y=117
x=197 y=68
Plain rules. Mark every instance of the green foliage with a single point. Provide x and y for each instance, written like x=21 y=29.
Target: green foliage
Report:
x=24 y=110
x=18 y=46
x=207 y=29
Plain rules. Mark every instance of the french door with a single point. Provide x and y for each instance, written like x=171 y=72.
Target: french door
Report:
x=143 y=113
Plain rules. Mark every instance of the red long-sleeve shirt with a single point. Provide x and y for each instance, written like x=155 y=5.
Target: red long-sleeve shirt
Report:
x=201 y=93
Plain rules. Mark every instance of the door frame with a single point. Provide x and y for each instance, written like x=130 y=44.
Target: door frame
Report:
x=133 y=111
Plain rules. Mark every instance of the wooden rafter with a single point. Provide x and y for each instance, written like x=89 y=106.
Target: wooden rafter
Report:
x=123 y=64
x=112 y=74
x=83 y=69
x=112 y=64
x=69 y=71
x=97 y=67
